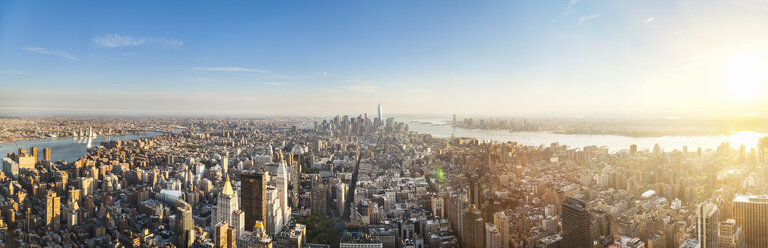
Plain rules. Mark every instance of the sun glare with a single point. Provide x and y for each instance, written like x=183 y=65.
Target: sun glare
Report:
x=746 y=74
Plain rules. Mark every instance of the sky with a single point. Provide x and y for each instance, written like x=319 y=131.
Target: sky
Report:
x=536 y=58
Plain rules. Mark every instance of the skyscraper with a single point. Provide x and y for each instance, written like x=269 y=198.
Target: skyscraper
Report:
x=751 y=213
x=380 y=115
x=253 y=198
x=473 y=233
x=46 y=154
x=52 y=211
x=501 y=221
x=226 y=208
x=575 y=224
x=707 y=225
x=33 y=151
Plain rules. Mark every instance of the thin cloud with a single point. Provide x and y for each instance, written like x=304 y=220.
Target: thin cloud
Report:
x=649 y=20
x=116 y=40
x=325 y=73
x=572 y=3
x=275 y=83
x=229 y=69
x=569 y=7
x=60 y=54
x=584 y=19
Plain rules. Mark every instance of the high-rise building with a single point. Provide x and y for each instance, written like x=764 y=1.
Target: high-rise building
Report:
x=730 y=235
x=707 y=225
x=52 y=211
x=226 y=208
x=224 y=236
x=33 y=152
x=46 y=154
x=381 y=118
x=253 y=198
x=475 y=192
x=184 y=225
x=751 y=213
x=501 y=221
x=575 y=224
x=473 y=229
x=493 y=237
x=318 y=197
x=10 y=168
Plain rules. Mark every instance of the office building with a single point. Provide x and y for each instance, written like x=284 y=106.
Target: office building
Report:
x=730 y=235
x=751 y=213
x=46 y=154
x=52 y=211
x=253 y=198
x=575 y=223
x=707 y=225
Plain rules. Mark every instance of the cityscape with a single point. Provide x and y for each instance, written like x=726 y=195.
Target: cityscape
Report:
x=372 y=124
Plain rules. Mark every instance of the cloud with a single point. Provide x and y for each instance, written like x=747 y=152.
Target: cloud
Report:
x=325 y=73
x=229 y=69
x=60 y=54
x=584 y=19
x=116 y=40
x=649 y=20
x=572 y=3
x=275 y=83
x=569 y=7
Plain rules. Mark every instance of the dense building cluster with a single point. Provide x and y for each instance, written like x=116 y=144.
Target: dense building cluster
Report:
x=361 y=183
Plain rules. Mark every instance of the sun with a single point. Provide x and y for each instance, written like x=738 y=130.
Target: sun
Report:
x=746 y=74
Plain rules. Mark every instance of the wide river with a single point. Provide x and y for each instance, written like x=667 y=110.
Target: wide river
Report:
x=67 y=149
x=440 y=128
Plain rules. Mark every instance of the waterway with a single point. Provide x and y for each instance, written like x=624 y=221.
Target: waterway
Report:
x=441 y=128
x=67 y=149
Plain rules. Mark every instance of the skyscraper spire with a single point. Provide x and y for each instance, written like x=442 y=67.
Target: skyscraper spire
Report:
x=227 y=187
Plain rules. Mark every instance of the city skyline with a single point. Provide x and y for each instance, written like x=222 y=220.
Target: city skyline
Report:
x=576 y=58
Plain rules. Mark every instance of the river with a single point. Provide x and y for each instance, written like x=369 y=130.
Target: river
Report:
x=440 y=128
x=67 y=149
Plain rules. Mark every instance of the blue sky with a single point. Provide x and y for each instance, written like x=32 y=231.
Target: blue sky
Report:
x=324 y=57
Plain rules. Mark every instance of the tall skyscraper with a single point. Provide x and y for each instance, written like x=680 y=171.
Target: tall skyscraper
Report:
x=46 y=154
x=575 y=224
x=473 y=233
x=52 y=211
x=33 y=151
x=751 y=213
x=253 y=198
x=226 y=208
x=501 y=221
x=380 y=114
x=475 y=192
x=707 y=225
